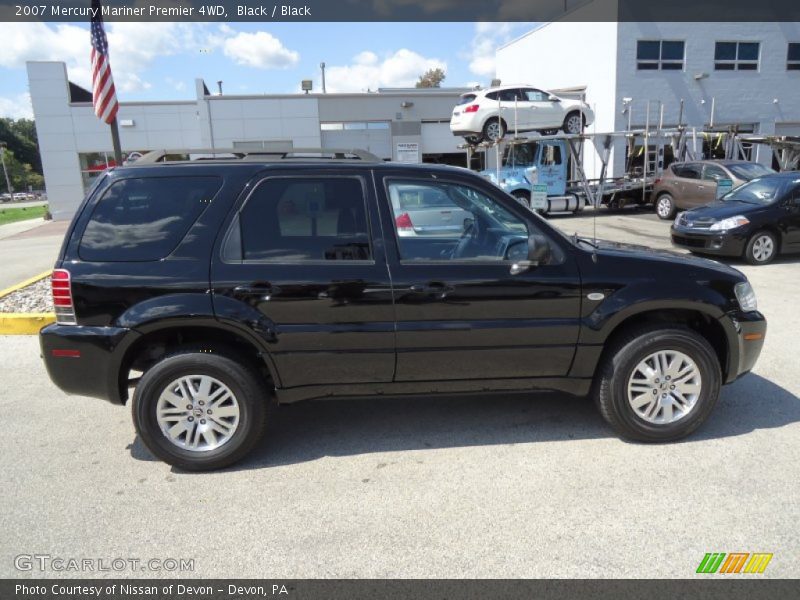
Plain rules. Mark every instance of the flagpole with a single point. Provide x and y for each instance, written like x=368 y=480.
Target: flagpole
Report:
x=115 y=142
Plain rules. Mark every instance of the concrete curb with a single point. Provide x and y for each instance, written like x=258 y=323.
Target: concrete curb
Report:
x=24 y=323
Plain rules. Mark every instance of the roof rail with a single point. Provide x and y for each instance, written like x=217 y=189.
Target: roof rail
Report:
x=258 y=154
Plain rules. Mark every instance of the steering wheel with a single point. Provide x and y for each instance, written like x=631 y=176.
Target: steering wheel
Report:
x=471 y=233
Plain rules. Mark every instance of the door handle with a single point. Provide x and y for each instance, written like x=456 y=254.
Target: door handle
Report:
x=435 y=289
x=265 y=290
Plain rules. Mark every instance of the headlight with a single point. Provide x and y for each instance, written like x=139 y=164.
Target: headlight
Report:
x=746 y=296
x=678 y=217
x=729 y=223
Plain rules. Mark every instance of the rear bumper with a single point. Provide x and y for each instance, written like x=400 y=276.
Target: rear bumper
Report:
x=749 y=329
x=86 y=361
x=722 y=243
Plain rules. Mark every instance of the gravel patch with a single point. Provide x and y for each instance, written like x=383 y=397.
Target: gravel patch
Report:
x=35 y=298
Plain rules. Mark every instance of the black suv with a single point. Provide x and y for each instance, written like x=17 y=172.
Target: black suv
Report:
x=218 y=288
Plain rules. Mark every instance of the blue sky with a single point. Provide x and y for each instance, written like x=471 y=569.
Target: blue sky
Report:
x=159 y=61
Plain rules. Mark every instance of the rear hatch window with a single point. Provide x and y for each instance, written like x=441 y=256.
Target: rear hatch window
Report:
x=145 y=218
x=466 y=99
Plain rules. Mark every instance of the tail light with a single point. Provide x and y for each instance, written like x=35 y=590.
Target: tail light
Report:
x=404 y=223
x=472 y=108
x=657 y=181
x=62 y=297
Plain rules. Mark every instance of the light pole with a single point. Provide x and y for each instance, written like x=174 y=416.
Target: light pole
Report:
x=5 y=170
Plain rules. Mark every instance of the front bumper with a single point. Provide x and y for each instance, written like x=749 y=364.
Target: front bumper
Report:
x=86 y=361
x=749 y=330
x=722 y=243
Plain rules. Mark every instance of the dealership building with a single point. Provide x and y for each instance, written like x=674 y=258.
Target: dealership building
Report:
x=411 y=125
x=743 y=75
x=707 y=76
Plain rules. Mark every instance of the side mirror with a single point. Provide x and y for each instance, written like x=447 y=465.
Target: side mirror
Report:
x=539 y=253
x=553 y=98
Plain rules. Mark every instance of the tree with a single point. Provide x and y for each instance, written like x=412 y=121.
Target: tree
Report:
x=432 y=78
x=22 y=154
x=21 y=174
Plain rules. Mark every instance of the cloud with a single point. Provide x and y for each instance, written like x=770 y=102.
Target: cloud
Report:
x=133 y=48
x=487 y=38
x=260 y=50
x=369 y=71
x=16 y=107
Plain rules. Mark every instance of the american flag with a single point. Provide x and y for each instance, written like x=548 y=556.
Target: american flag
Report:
x=104 y=96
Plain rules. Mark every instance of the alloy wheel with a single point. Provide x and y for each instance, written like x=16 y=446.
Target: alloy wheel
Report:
x=664 y=206
x=197 y=413
x=664 y=387
x=494 y=131
x=763 y=248
x=574 y=124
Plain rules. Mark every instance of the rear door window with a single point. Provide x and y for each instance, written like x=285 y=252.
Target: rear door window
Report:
x=687 y=171
x=309 y=219
x=145 y=218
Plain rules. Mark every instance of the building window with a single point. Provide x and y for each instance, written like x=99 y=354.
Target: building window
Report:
x=354 y=125
x=654 y=55
x=736 y=56
x=793 y=57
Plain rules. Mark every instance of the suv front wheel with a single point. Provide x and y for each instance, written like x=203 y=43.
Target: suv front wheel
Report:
x=658 y=383
x=200 y=410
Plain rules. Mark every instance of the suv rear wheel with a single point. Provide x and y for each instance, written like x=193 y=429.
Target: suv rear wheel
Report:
x=658 y=383
x=494 y=129
x=200 y=410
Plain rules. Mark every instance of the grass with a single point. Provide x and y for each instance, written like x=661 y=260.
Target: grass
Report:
x=11 y=215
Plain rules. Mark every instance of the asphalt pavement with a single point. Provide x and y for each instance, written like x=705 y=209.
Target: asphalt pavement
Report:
x=503 y=486
x=28 y=248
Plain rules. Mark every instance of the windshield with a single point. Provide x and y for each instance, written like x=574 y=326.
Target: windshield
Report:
x=758 y=191
x=748 y=171
x=520 y=155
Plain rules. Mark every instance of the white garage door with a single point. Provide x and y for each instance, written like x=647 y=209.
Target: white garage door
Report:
x=375 y=137
x=438 y=139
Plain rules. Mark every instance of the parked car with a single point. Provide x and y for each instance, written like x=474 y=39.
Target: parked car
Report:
x=421 y=210
x=685 y=185
x=219 y=288
x=491 y=113
x=757 y=221
x=5 y=197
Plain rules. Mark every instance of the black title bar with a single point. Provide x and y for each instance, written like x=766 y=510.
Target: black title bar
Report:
x=717 y=588
x=405 y=10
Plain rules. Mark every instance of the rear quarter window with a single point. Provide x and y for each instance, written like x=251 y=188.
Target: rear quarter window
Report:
x=145 y=218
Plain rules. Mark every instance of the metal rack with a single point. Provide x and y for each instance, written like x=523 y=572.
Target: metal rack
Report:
x=161 y=156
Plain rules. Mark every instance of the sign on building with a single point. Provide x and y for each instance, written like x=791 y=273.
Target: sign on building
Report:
x=407 y=152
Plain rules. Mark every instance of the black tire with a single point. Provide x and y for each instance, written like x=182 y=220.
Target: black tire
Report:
x=488 y=128
x=473 y=139
x=629 y=350
x=237 y=373
x=665 y=206
x=761 y=248
x=573 y=123
x=523 y=198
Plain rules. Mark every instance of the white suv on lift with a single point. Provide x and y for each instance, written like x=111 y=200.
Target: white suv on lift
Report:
x=491 y=113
